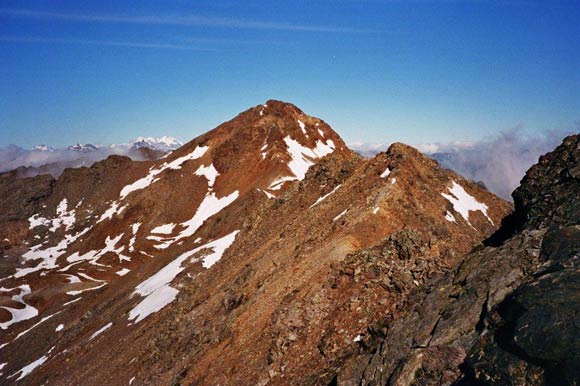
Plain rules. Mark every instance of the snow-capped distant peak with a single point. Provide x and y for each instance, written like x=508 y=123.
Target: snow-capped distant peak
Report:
x=83 y=148
x=162 y=143
x=42 y=147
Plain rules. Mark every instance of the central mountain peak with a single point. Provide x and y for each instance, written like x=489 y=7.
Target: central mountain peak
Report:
x=267 y=146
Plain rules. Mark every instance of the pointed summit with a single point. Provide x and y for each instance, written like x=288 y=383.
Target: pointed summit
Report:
x=267 y=146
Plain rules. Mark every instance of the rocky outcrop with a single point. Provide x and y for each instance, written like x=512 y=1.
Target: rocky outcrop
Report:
x=507 y=315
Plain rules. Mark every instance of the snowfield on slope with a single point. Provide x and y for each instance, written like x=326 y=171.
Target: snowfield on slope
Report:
x=18 y=314
x=63 y=217
x=301 y=159
x=463 y=202
x=156 y=289
x=210 y=206
x=150 y=178
x=47 y=256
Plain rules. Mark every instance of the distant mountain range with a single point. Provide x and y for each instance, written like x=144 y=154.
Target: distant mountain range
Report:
x=44 y=159
x=162 y=143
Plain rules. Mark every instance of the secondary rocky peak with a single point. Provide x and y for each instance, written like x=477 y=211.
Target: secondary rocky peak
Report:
x=492 y=319
x=550 y=191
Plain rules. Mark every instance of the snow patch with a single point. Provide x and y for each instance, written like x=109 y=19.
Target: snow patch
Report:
x=263 y=151
x=63 y=217
x=75 y=293
x=93 y=256
x=101 y=330
x=156 y=288
x=59 y=328
x=302 y=126
x=151 y=177
x=36 y=324
x=153 y=302
x=123 y=272
x=30 y=367
x=208 y=172
x=18 y=314
x=449 y=217
x=134 y=228
x=340 y=215
x=165 y=229
x=325 y=196
x=210 y=206
x=72 y=301
x=386 y=173
x=114 y=209
x=268 y=194
x=463 y=202
x=303 y=157
x=277 y=184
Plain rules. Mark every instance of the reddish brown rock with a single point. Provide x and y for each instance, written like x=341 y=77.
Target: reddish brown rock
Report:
x=317 y=262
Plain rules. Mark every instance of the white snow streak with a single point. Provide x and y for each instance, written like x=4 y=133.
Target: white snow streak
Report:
x=340 y=215
x=123 y=272
x=93 y=256
x=210 y=206
x=48 y=256
x=101 y=330
x=449 y=217
x=30 y=367
x=302 y=126
x=156 y=289
x=325 y=196
x=153 y=173
x=114 y=209
x=134 y=228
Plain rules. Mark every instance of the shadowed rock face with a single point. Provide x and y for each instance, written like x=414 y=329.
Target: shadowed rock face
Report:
x=508 y=315
x=262 y=252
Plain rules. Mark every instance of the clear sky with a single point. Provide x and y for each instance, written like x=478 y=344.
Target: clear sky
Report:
x=377 y=71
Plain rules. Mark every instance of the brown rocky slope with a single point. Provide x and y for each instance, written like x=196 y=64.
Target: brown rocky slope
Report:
x=262 y=252
x=508 y=314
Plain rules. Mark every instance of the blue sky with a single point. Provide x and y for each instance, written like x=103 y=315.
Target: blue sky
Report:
x=377 y=71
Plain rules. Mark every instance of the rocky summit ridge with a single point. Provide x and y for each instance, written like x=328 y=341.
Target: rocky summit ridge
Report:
x=261 y=252
x=508 y=314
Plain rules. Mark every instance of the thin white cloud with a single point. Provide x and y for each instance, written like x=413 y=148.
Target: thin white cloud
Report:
x=32 y=39
x=190 y=20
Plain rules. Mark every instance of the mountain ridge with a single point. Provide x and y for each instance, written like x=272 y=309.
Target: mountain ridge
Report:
x=243 y=234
